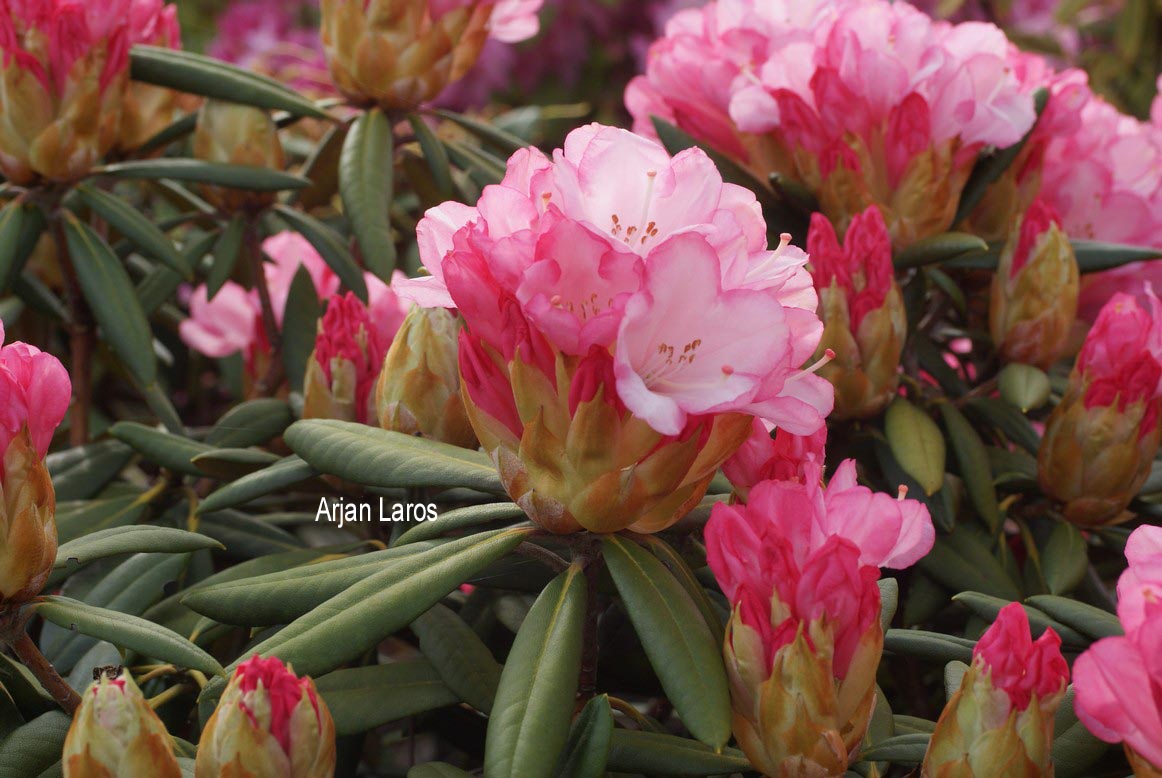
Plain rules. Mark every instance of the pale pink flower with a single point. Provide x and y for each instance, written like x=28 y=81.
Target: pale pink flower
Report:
x=1118 y=680
x=270 y=37
x=34 y=395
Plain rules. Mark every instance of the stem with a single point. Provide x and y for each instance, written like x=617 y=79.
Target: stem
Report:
x=49 y=678
x=587 y=682
x=544 y=555
x=82 y=339
x=267 y=383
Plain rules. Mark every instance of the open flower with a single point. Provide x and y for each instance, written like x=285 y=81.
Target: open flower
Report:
x=864 y=323
x=34 y=395
x=1000 y=720
x=623 y=317
x=268 y=722
x=799 y=563
x=1118 y=681
x=1101 y=439
x=862 y=102
x=400 y=54
x=116 y=733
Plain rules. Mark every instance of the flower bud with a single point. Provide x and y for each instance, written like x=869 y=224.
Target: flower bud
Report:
x=1000 y=720
x=233 y=134
x=116 y=733
x=34 y=394
x=862 y=311
x=149 y=109
x=269 y=722
x=781 y=458
x=64 y=70
x=401 y=54
x=418 y=392
x=1034 y=291
x=352 y=341
x=1100 y=441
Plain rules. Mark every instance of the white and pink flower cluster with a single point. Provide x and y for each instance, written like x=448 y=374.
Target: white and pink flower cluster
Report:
x=613 y=253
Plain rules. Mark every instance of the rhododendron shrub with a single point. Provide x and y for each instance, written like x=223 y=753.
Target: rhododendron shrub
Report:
x=802 y=422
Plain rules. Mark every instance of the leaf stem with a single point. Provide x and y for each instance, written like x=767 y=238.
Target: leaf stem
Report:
x=268 y=382
x=49 y=678
x=81 y=340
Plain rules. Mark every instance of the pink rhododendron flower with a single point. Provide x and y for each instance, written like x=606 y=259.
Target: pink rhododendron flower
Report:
x=1118 y=681
x=778 y=458
x=271 y=37
x=863 y=102
x=643 y=281
x=34 y=395
x=1017 y=664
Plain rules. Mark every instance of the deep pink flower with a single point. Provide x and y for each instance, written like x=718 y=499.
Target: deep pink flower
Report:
x=270 y=36
x=34 y=395
x=778 y=458
x=1118 y=680
x=861 y=268
x=1121 y=361
x=1018 y=664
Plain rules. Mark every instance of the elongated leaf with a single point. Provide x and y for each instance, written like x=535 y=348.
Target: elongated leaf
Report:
x=173 y=452
x=1084 y=618
x=281 y=475
x=587 y=749
x=988 y=607
x=353 y=621
x=110 y=294
x=689 y=581
x=365 y=186
x=21 y=226
x=249 y=177
x=363 y=698
x=36 y=746
x=504 y=141
x=933 y=646
x=534 y=704
x=74 y=519
x=126 y=631
x=1008 y=420
x=1065 y=559
x=461 y=519
x=435 y=157
x=247 y=536
x=459 y=656
x=1075 y=749
x=79 y=473
x=299 y=327
x=186 y=71
x=938 y=248
x=227 y=250
x=906 y=749
x=389 y=460
x=250 y=423
x=1095 y=256
x=962 y=562
x=973 y=460
x=136 y=228
x=483 y=168
x=653 y=753
x=129 y=540
x=228 y=464
x=330 y=246
x=679 y=643
x=916 y=444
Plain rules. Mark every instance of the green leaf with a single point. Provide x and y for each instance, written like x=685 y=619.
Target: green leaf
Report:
x=160 y=284
x=973 y=460
x=1024 y=386
x=530 y=719
x=186 y=71
x=1094 y=256
x=136 y=228
x=21 y=226
x=1075 y=749
x=937 y=249
x=1065 y=558
x=228 y=464
x=987 y=608
x=360 y=617
x=685 y=576
x=110 y=294
x=435 y=157
x=227 y=250
x=247 y=536
x=1084 y=618
x=587 y=750
x=331 y=247
x=130 y=632
x=80 y=517
x=1010 y=421
x=365 y=186
x=249 y=177
x=36 y=746
x=916 y=443
x=990 y=167
x=363 y=698
x=381 y=458
x=79 y=473
x=933 y=646
x=483 y=168
x=299 y=326
x=654 y=753
x=889 y=601
x=677 y=640
x=251 y=423
x=902 y=749
x=279 y=476
x=505 y=142
x=471 y=517
x=172 y=452
x=962 y=562
x=459 y=656
x=129 y=540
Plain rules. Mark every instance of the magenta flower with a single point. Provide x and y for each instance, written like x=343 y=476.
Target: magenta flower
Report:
x=779 y=458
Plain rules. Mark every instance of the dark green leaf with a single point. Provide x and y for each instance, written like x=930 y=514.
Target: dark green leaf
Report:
x=227 y=250
x=136 y=228
x=331 y=247
x=21 y=226
x=227 y=464
x=973 y=460
x=988 y=607
x=471 y=517
x=172 y=452
x=653 y=753
x=505 y=142
x=79 y=473
x=587 y=750
x=279 y=476
x=1084 y=618
x=250 y=177
x=1094 y=256
x=365 y=185
x=938 y=248
x=916 y=444
x=363 y=698
x=251 y=423
x=962 y=562
x=435 y=157
x=299 y=327
x=1065 y=558
x=36 y=746
x=459 y=656
x=1075 y=749
x=933 y=646
x=79 y=517
x=129 y=540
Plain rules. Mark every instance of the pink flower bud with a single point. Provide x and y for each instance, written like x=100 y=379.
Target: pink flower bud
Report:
x=862 y=311
x=268 y=722
x=1101 y=439
x=1034 y=291
x=781 y=458
x=34 y=395
x=115 y=732
x=1002 y=714
x=617 y=339
x=149 y=109
x=402 y=54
